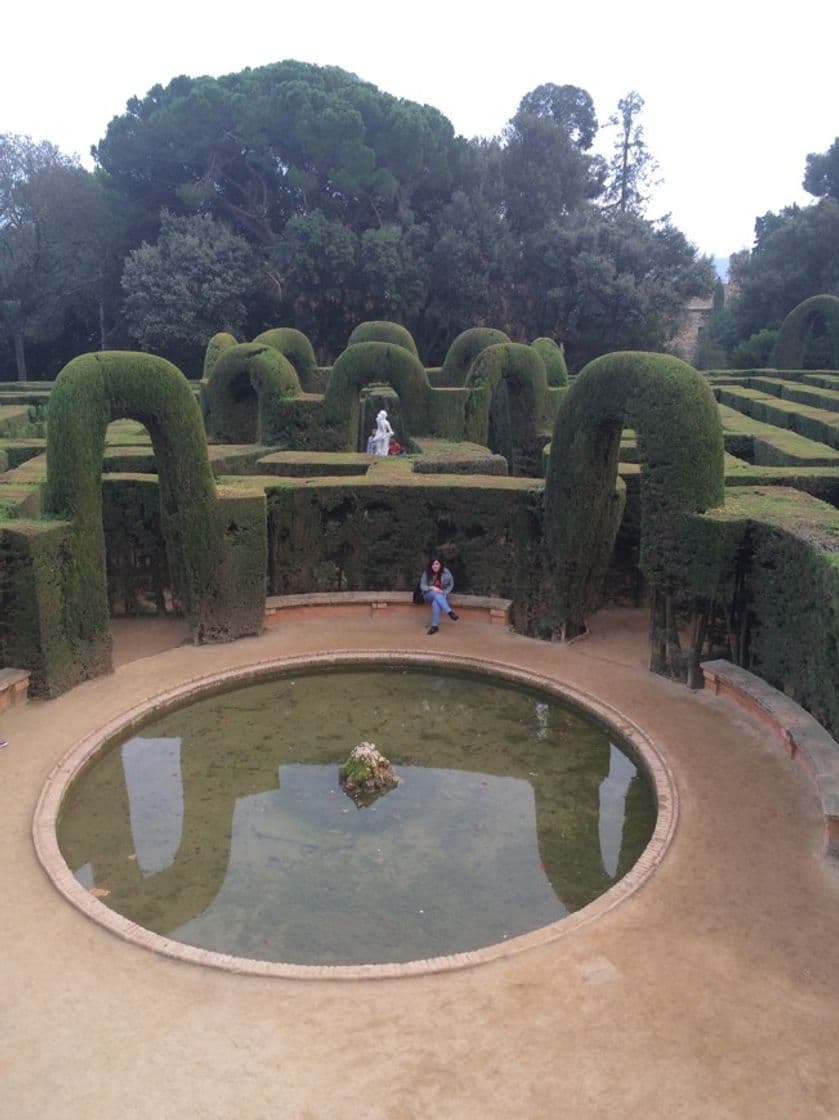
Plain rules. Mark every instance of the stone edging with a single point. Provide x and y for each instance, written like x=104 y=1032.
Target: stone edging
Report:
x=473 y=606
x=14 y=687
x=88 y=749
x=801 y=736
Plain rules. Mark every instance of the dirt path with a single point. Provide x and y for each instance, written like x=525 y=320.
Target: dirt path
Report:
x=712 y=992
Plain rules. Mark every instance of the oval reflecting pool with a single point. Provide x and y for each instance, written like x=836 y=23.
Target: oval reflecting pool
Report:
x=223 y=824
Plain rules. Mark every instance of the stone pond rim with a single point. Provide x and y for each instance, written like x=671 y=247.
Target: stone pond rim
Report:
x=92 y=746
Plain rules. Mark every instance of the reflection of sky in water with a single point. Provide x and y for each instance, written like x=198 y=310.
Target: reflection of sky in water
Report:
x=155 y=799
x=455 y=853
x=85 y=875
x=448 y=861
x=613 y=791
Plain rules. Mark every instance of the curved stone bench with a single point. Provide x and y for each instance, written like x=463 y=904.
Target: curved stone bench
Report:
x=380 y=604
x=802 y=737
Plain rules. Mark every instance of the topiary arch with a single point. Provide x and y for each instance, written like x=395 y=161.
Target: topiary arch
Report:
x=249 y=385
x=381 y=330
x=791 y=343
x=294 y=346
x=506 y=403
x=215 y=348
x=90 y=392
x=368 y=363
x=673 y=411
x=554 y=358
x=464 y=350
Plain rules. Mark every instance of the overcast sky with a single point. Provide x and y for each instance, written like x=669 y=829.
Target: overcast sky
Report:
x=736 y=96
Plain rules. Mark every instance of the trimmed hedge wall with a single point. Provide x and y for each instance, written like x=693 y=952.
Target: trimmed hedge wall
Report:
x=332 y=536
x=33 y=635
x=137 y=567
x=791 y=343
x=794 y=636
x=249 y=384
x=463 y=351
x=366 y=363
x=294 y=346
x=381 y=330
x=508 y=387
x=768 y=563
x=680 y=446
x=554 y=358
x=215 y=348
x=91 y=391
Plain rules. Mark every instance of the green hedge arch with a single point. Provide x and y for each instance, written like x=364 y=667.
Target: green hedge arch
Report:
x=680 y=444
x=507 y=387
x=791 y=343
x=554 y=358
x=381 y=330
x=215 y=348
x=464 y=350
x=368 y=363
x=90 y=391
x=295 y=346
x=245 y=397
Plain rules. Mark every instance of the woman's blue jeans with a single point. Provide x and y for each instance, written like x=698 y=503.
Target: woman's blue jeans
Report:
x=438 y=600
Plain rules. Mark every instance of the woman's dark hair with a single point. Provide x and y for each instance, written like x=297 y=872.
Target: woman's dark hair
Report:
x=431 y=560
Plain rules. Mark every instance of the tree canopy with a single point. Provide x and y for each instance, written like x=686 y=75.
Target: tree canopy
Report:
x=821 y=175
x=303 y=196
x=795 y=257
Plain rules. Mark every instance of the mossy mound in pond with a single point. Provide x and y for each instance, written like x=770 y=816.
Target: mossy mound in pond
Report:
x=366 y=774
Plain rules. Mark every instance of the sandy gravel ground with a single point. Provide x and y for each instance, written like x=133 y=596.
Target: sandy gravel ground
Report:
x=710 y=993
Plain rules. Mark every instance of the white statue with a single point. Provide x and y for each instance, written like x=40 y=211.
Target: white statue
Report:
x=384 y=433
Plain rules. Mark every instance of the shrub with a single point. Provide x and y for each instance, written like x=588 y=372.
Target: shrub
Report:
x=791 y=344
x=366 y=363
x=463 y=352
x=508 y=386
x=680 y=446
x=294 y=346
x=91 y=391
x=554 y=358
x=380 y=330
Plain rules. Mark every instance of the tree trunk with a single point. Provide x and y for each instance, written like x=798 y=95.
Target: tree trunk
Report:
x=20 y=355
x=103 y=330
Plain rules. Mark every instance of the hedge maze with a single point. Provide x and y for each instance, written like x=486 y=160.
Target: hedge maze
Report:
x=714 y=495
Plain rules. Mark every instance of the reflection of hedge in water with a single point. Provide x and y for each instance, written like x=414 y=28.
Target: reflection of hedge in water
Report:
x=791 y=343
x=567 y=807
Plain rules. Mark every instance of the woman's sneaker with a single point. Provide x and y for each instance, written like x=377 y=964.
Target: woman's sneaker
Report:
x=454 y=617
x=433 y=629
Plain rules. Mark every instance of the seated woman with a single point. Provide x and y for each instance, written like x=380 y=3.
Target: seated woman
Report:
x=436 y=584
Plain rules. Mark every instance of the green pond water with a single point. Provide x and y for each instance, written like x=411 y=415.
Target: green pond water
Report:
x=223 y=825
